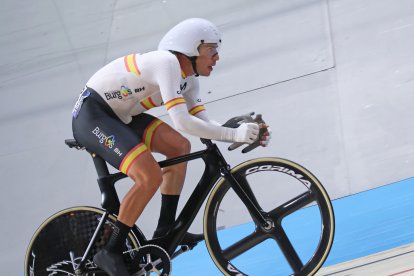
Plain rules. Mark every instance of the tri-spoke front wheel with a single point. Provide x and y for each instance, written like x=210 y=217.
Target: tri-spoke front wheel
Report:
x=299 y=229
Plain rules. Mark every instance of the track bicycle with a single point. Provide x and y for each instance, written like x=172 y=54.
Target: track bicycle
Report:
x=284 y=217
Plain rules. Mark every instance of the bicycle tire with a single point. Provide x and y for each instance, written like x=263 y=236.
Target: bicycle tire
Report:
x=71 y=230
x=303 y=197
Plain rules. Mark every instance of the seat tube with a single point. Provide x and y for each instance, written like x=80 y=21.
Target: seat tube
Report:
x=92 y=241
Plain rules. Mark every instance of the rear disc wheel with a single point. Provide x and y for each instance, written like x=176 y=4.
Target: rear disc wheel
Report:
x=61 y=240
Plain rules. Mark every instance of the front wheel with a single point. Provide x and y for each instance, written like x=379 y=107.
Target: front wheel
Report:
x=300 y=221
x=60 y=242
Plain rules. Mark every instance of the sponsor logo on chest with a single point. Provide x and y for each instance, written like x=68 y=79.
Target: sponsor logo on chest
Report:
x=123 y=93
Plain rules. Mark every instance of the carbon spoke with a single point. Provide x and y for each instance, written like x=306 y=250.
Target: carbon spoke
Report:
x=243 y=245
x=248 y=190
x=287 y=248
x=292 y=205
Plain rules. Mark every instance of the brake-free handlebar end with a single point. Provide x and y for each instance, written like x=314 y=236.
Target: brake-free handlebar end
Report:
x=248 y=118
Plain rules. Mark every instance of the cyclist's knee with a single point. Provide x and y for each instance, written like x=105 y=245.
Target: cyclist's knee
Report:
x=181 y=146
x=153 y=182
x=185 y=146
x=148 y=177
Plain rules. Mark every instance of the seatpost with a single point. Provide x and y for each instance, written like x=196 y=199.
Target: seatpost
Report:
x=100 y=165
x=106 y=182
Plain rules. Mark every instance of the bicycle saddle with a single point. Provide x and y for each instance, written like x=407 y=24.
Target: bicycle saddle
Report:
x=72 y=143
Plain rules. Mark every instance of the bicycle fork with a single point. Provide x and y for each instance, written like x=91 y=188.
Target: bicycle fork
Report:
x=247 y=197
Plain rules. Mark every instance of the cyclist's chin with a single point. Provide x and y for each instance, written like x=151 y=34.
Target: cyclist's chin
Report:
x=205 y=73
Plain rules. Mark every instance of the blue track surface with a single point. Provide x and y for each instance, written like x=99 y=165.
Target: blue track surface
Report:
x=366 y=223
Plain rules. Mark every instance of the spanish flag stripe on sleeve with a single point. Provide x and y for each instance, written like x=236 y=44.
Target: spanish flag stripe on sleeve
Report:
x=196 y=109
x=144 y=104
x=131 y=157
x=149 y=132
x=135 y=65
x=151 y=102
x=171 y=103
x=126 y=63
x=147 y=103
x=131 y=65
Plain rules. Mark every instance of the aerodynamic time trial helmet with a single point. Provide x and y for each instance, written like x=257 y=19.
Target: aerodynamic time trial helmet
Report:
x=188 y=35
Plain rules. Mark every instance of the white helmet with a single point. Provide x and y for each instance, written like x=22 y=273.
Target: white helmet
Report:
x=186 y=36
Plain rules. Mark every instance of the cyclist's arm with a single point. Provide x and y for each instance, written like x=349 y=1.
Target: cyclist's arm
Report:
x=166 y=72
x=195 y=104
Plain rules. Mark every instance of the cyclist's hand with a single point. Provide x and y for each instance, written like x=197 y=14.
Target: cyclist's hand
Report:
x=247 y=133
x=265 y=137
x=260 y=134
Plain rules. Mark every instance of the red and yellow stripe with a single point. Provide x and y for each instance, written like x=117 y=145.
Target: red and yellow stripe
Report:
x=170 y=104
x=149 y=132
x=131 y=157
x=147 y=103
x=131 y=64
x=196 y=109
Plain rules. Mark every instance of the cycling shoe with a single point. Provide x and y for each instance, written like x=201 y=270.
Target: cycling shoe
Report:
x=111 y=263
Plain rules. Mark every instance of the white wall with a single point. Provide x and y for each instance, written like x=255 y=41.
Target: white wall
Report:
x=334 y=79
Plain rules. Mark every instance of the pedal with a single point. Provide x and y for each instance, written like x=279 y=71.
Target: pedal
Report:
x=188 y=243
x=191 y=239
x=183 y=249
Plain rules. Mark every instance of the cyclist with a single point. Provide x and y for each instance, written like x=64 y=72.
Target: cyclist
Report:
x=109 y=119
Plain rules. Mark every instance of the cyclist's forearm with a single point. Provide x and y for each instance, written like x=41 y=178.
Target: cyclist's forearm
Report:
x=197 y=127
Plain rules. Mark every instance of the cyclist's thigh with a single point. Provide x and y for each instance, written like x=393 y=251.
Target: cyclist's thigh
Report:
x=168 y=141
x=146 y=125
x=103 y=133
x=159 y=136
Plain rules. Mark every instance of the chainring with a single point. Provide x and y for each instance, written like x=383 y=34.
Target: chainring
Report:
x=152 y=260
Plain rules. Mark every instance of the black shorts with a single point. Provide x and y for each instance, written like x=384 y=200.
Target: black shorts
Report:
x=100 y=131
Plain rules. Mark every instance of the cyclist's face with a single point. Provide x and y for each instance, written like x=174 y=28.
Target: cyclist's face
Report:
x=207 y=58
